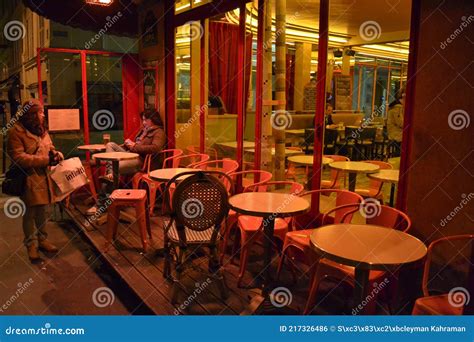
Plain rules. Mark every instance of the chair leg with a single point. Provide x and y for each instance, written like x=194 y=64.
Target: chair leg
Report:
x=112 y=223
x=228 y=228
x=315 y=280
x=177 y=280
x=142 y=223
x=216 y=270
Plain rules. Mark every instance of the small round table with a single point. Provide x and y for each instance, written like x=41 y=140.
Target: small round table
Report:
x=307 y=160
x=93 y=148
x=164 y=175
x=353 y=168
x=115 y=158
x=387 y=176
x=366 y=247
x=268 y=205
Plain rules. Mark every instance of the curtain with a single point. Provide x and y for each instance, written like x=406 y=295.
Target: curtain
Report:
x=131 y=85
x=223 y=63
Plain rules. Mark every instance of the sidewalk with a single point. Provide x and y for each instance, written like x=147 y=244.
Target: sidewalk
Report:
x=75 y=282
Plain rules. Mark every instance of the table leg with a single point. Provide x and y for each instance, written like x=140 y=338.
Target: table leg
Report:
x=352 y=181
x=361 y=281
x=268 y=231
x=392 y=194
x=115 y=171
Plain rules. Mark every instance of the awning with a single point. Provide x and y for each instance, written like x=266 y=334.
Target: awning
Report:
x=119 y=18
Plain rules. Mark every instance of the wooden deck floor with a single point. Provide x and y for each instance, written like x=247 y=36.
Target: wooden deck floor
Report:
x=144 y=275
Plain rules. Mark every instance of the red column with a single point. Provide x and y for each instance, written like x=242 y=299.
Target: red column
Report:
x=170 y=80
x=320 y=101
x=203 y=100
x=259 y=85
x=85 y=103
x=38 y=67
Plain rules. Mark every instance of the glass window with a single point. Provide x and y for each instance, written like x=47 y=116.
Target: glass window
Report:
x=367 y=89
x=380 y=101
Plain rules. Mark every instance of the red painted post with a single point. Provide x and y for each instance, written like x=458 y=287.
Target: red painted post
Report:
x=170 y=79
x=240 y=91
x=85 y=103
x=259 y=85
x=202 y=91
x=407 y=138
x=320 y=101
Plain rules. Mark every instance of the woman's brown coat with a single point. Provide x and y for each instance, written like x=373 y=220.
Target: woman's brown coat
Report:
x=21 y=147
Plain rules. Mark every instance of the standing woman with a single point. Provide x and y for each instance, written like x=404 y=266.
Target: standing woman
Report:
x=30 y=147
x=395 y=123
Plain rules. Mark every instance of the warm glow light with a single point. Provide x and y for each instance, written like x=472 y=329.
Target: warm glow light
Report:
x=100 y=2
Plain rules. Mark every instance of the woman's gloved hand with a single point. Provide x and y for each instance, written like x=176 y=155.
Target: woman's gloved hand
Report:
x=54 y=158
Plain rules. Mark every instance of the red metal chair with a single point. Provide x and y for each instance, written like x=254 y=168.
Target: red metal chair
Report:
x=193 y=149
x=226 y=166
x=190 y=160
x=251 y=228
x=122 y=198
x=165 y=155
x=446 y=285
x=386 y=217
x=297 y=243
x=334 y=182
x=249 y=179
x=169 y=157
x=375 y=187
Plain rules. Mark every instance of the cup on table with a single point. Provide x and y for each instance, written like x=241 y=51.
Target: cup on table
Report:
x=105 y=139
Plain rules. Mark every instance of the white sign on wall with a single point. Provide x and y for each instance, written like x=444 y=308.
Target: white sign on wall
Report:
x=64 y=119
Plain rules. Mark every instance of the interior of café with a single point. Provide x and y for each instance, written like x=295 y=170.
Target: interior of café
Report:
x=333 y=126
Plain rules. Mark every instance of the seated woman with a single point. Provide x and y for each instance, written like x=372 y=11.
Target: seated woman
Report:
x=150 y=140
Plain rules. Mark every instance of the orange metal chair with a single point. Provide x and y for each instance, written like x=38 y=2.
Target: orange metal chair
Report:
x=249 y=179
x=122 y=198
x=251 y=227
x=297 y=243
x=153 y=186
x=189 y=160
x=334 y=182
x=375 y=187
x=386 y=217
x=293 y=171
x=212 y=152
x=454 y=267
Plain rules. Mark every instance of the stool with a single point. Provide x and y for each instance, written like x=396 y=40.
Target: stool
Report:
x=128 y=198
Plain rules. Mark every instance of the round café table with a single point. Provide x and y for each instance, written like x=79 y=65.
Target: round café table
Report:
x=307 y=160
x=387 y=176
x=93 y=148
x=115 y=158
x=353 y=168
x=366 y=248
x=268 y=205
x=164 y=175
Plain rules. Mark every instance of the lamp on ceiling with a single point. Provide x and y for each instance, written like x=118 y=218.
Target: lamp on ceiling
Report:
x=100 y=2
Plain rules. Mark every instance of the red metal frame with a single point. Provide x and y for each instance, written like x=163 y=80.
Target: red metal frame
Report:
x=203 y=100
x=85 y=102
x=320 y=102
x=259 y=85
x=142 y=95
x=170 y=73
x=407 y=138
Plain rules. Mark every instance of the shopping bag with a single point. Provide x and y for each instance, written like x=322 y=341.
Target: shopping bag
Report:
x=67 y=176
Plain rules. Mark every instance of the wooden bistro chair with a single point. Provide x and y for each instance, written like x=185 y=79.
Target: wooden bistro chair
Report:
x=199 y=206
x=386 y=217
x=448 y=278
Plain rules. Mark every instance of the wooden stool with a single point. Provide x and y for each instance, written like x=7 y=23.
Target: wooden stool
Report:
x=128 y=198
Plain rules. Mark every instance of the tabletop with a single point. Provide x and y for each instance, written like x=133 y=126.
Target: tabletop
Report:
x=163 y=175
x=354 y=166
x=115 y=156
x=389 y=176
x=295 y=131
x=264 y=204
x=233 y=144
x=92 y=147
x=367 y=246
x=308 y=160
x=287 y=151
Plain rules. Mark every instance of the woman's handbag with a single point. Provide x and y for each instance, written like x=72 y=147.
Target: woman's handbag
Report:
x=15 y=180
